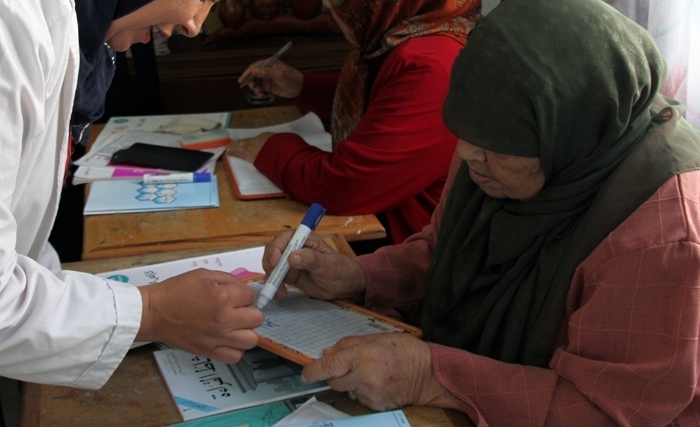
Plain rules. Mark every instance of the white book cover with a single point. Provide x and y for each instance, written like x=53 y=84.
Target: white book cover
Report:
x=127 y=196
x=243 y=264
x=201 y=386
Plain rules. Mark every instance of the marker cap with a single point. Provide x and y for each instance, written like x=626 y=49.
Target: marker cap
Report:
x=201 y=177
x=313 y=216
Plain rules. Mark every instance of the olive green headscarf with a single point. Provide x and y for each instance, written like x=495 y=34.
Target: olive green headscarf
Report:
x=574 y=83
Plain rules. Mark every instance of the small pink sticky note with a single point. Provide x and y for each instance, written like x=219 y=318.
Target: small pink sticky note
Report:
x=243 y=274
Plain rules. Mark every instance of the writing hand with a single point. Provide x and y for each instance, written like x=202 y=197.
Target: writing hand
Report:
x=248 y=148
x=319 y=270
x=205 y=312
x=279 y=79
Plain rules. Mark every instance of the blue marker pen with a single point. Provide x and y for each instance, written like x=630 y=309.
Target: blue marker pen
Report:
x=176 y=177
x=311 y=219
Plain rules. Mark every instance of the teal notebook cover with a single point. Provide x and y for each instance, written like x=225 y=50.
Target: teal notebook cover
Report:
x=258 y=416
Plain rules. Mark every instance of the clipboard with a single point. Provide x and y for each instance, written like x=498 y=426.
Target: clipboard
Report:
x=299 y=327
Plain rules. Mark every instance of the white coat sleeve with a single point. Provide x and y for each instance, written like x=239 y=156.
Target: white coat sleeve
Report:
x=68 y=328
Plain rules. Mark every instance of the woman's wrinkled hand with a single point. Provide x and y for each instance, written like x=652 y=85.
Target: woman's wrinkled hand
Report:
x=319 y=270
x=383 y=371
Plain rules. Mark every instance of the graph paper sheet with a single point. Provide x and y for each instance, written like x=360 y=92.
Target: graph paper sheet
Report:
x=299 y=327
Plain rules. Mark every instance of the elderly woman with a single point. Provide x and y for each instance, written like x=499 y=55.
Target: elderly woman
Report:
x=392 y=150
x=558 y=281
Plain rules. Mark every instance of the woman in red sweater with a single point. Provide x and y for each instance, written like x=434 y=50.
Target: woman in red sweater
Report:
x=391 y=150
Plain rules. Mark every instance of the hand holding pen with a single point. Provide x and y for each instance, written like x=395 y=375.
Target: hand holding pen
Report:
x=319 y=269
x=274 y=280
x=273 y=76
x=267 y=63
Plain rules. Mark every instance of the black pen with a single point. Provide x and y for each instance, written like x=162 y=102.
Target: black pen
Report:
x=267 y=63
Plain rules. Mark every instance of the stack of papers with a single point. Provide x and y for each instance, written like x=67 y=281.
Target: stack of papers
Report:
x=122 y=132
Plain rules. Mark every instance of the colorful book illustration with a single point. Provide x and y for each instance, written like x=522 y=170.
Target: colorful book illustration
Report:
x=247 y=182
x=126 y=196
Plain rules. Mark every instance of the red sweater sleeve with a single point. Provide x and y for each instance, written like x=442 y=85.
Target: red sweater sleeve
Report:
x=629 y=348
x=399 y=149
x=317 y=94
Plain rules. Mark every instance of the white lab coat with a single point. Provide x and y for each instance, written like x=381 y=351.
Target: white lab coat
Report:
x=66 y=328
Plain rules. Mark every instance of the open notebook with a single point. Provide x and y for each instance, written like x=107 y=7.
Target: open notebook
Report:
x=247 y=182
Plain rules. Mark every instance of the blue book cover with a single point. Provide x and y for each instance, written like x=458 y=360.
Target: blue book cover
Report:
x=257 y=416
x=124 y=196
x=202 y=387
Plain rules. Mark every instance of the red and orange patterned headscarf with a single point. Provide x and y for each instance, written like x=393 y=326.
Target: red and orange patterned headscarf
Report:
x=378 y=26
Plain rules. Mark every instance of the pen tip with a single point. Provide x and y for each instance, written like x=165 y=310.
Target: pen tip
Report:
x=262 y=302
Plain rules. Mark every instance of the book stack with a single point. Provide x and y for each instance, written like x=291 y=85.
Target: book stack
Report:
x=119 y=188
x=121 y=132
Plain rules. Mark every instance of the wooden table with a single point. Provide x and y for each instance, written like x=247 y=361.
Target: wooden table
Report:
x=120 y=235
x=136 y=394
